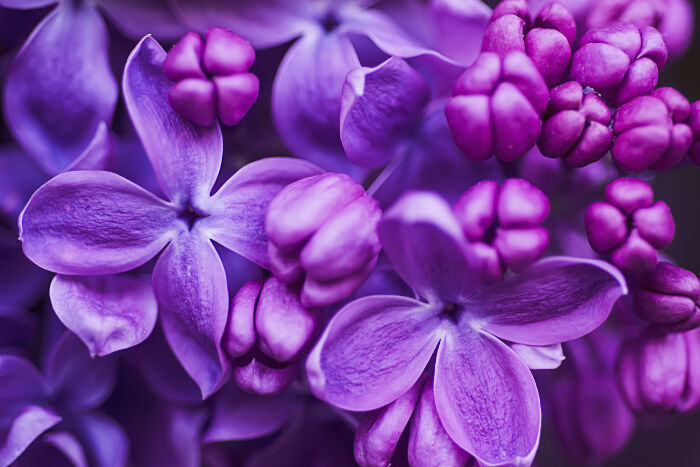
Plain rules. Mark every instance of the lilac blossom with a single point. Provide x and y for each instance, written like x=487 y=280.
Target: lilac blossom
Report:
x=694 y=123
x=376 y=348
x=93 y=222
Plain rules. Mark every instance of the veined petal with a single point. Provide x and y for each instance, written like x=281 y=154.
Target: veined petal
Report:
x=108 y=313
x=60 y=86
x=237 y=219
x=372 y=351
x=93 y=222
x=306 y=98
x=426 y=245
x=380 y=106
x=186 y=157
x=486 y=398
x=190 y=284
x=555 y=300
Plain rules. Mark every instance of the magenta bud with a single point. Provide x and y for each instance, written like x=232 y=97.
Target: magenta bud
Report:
x=258 y=375
x=211 y=78
x=668 y=295
x=240 y=330
x=283 y=325
x=323 y=230
x=497 y=107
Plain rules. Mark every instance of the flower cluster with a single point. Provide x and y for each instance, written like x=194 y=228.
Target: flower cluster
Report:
x=284 y=240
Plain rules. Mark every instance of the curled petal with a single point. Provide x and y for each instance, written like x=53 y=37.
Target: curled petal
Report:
x=373 y=350
x=18 y=433
x=540 y=357
x=60 y=86
x=92 y=222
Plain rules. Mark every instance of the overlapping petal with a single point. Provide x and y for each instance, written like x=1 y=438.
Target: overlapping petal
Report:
x=136 y=18
x=60 y=86
x=372 y=351
x=427 y=247
x=486 y=398
x=555 y=300
x=190 y=285
x=91 y=222
x=104 y=440
x=186 y=157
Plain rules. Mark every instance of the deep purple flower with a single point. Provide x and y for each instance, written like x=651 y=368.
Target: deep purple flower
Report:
x=547 y=41
x=497 y=106
x=694 y=123
x=629 y=225
x=620 y=61
x=576 y=129
x=660 y=372
x=211 y=78
x=375 y=348
x=668 y=298
x=323 y=231
x=649 y=132
x=92 y=222
x=503 y=225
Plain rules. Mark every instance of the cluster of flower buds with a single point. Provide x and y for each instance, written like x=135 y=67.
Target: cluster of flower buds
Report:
x=211 y=77
x=629 y=225
x=504 y=225
x=322 y=230
x=268 y=329
x=660 y=372
x=694 y=124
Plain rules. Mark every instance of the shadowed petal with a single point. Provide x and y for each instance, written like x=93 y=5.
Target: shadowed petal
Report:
x=306 y=98
x=92 y=222
x=60 y=86
x=97 y=154
x=22 y=283
x=555 y=300
x=186 y=157
x=19 y=177
x=136 y=18
x=486 y=398
x=26 y=4
x=104 y=440
x=108 y=313
x=55 y=448
x=372 y=351
x=17 y=327
x=540 y=357
x=426 y=245
x=237 y=219
x=23 y=429
x=190 y=284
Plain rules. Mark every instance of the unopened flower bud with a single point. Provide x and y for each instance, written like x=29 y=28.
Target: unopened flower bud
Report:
x=497 y=107
x=211 y=77
x=322 y=230
x=504 y=225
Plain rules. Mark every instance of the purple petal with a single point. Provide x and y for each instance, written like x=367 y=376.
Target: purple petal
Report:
x=27 y=425
x=136 y=18
x=22 y=283
x=26 y=4
x=372 y=351
x=19 y=177
x=60 y=446
x=258 y=374
x=104 y=440
x=17 y=327
x=92 y=222
x=190 y=284
x=60 y=86
x=380 y=106
x=238 y=209
x=458 y=24
x=306 y=98
x=486 y=398
x=97 y=154
x=540 y=357
x=555 y=300
x=76 y=379
x=186 y=157
x=426 y=245
x=238 y=415
x=108 y=313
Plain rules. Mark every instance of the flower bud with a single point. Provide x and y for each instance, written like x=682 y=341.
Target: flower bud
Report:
x=323 y=230
x=547 y=42
x=504 y=225
x=629 y=225
x=620 y=61
x=667 y=297
x=211 y=77
x=497 y=107
x=259 y=375
x=694 y=124
x=577 y=130
x=649 y=132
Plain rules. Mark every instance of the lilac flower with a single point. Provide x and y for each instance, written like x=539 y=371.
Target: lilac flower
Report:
x=620 y=61
x=577 y=127
x=211 y=78
x=64 y=400
x=92 y=222
x=694 y=123
x=629 y=225
x=668 y=298
x=547 y=41
x=503 y=225
x=649 y=132
x=497 y=107
x=375 y=348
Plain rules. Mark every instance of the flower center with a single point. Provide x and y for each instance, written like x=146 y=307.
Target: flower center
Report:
x=451 y=312
x=190 y=216
x=330 y=22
